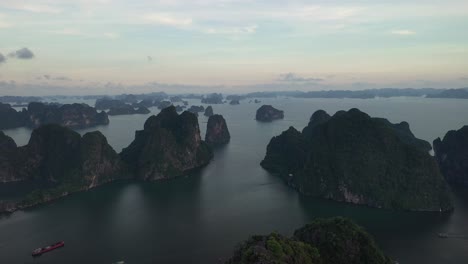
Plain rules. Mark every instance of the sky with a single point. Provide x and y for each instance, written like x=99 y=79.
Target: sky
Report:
x=74 y=47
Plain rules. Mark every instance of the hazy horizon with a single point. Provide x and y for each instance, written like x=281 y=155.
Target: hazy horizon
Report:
x=52 y=47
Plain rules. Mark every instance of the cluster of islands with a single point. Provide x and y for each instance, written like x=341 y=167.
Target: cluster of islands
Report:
x=347 y=157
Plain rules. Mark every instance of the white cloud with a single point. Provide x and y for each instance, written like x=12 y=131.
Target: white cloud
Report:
x=3 y=24
x=403 y=32
x=167 y=19
x=34 y=8
x=231 y=30
x=67 y=31
x=111 y=35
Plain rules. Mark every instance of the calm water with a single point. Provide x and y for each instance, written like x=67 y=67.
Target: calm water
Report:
x=200 y=219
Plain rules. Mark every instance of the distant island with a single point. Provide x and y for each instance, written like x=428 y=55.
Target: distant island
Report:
x=128 y=110
x=169 y=146
x=326 y=241
x=351 y=157
x=37 y=114
x=451 y=93
x=214 y=98
x=267 y=113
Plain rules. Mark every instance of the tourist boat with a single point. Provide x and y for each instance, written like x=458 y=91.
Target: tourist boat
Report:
x=40 y=251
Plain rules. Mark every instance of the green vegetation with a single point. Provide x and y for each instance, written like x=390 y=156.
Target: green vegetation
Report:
x=354 y=158
x=275 y=249
x=324 y=241
x=340 y=241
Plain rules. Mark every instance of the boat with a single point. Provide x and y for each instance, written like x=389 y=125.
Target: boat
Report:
x=40 y=251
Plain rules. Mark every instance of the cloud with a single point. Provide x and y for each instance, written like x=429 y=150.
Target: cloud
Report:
x=167 y=19
x=110 y=35
x=403 y=32
x=67 y=32
x=232 y=30
x=2 y=58
x=292 y=78
x=24 y=54
x=33 y=8
x=4 y=24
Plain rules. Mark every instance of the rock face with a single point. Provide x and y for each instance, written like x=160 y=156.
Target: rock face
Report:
x=208 y=111
x=324 y=241
x=10 y=118
x=217 y=132
x=60 y=155
x=354 y=158
x=267 y=113
x=128 y=110
x=69 y=115
x=8 y=153
x=452 y=155
x=169 y=146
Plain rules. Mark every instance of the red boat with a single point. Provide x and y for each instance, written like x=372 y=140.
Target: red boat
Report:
x=40 y=251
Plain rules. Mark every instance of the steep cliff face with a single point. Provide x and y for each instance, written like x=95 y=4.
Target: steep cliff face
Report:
x=217 y=132
x=267 y=113
x=324 y=241
x=8 y=154
x=209 y=111
x=169 y=146
x=60 y=155
x=10 y=118
x=69 y=115
x=452 y=155
x=99 y=161
x=354 y=158
x=52 y=154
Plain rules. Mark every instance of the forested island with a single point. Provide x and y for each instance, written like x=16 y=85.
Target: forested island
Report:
x=351 y=157
x=324 y=241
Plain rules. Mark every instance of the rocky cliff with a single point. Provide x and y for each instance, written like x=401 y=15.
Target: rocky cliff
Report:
x=8 y=155
x=10 y=118
x=217 y=132
x=208 y=111
x=62 y=157
x=354 y=158
x=267 y=113
x=324 y=241
x=452 y=155
x=169 y=146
